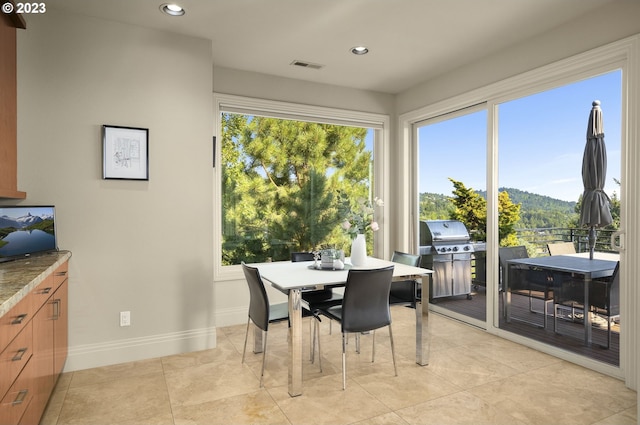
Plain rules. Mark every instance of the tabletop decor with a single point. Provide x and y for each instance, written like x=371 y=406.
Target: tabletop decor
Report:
x=329 y=259
x=356 y=223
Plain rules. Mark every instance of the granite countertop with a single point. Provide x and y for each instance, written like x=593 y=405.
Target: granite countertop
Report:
x=19 y=277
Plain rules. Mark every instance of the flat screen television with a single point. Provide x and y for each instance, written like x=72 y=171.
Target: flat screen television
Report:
x=26 y=231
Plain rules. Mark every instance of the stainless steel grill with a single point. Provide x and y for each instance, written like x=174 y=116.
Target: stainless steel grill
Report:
x=446 y=249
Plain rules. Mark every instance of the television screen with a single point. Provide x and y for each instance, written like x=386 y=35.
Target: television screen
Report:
x=26 y=230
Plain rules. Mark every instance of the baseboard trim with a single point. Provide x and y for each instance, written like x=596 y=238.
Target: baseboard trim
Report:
x=132 y=349
x=231 y=316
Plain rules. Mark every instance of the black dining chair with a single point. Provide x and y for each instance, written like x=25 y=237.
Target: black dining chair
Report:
x=364 y=308
x=604 y=297
x=404 y=292
x=314 y=300
x=532 y=283
x=261 y=313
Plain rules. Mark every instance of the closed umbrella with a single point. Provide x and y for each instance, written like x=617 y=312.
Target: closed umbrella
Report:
x=595 y=203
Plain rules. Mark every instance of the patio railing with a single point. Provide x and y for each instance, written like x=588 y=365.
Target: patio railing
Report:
x=537 y=239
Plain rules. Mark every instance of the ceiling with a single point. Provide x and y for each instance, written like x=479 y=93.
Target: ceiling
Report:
x=410 y=41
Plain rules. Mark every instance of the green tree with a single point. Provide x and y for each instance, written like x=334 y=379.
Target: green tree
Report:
x=471 y=209
x=508 y=216
x=280 y=177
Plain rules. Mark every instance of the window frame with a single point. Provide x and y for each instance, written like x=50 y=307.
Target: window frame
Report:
x=301 y=112
x=624 y=55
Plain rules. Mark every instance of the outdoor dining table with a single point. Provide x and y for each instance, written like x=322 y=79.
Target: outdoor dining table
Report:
x=578 y=265
x=293 y=278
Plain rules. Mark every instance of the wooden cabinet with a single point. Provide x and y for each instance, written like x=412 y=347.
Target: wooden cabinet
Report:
x=8 y=106
x=34 y=335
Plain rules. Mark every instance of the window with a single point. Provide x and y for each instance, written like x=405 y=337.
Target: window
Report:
x=287 y=179
x=517 y=158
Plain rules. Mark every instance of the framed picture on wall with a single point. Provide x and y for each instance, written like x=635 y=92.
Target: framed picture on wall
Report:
x=125 y=153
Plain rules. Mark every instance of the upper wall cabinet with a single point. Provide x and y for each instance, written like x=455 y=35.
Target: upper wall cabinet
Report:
x=8 y=107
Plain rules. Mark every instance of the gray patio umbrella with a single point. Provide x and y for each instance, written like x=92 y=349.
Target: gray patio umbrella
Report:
x=595 y=203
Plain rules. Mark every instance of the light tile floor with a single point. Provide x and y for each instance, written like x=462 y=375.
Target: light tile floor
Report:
x=472 y=378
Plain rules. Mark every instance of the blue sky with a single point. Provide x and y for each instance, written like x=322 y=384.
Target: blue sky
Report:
x=541 y=142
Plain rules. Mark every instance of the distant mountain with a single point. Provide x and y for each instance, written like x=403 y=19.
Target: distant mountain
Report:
x=541 y=211
x=533 y=201
x=20 y=222
x=536 y=211
x=28 y=220
x=7 y=222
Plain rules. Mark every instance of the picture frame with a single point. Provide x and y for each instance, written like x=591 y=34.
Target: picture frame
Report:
x=125 y=153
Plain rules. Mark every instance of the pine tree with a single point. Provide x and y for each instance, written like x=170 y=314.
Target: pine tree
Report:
x=281 y=180
x=471 y=209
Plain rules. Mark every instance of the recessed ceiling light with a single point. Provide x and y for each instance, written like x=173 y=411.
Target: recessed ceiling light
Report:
x=359 y=50
x=172 y=9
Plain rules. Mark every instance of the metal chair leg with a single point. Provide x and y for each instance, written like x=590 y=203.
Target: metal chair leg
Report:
x=373 y=348
x=312 y=345
x=316 y=334
x=264 y=358
x=393 y=352
x=246 y=336
x=344 y=361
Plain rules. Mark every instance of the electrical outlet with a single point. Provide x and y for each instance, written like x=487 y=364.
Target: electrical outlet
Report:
x=125 y=318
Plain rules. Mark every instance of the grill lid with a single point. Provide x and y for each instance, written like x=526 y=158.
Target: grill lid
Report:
x=442 y=231
x=444 y=236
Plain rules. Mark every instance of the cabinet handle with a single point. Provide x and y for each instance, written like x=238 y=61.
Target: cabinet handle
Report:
x=46 y=290
x=19 y=354
x=56 y=309
x=19 y=319
x=20 y=397
x=61 y=273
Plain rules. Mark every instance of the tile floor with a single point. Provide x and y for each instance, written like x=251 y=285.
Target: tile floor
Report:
x=472 y=378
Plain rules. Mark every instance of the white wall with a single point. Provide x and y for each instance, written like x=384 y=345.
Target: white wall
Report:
x=615 y=20
x=140 y=246
x=233 y=293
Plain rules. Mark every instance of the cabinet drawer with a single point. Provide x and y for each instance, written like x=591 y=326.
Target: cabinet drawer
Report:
x=41 y=293
x=60 y=274
x=18 y=397
x=14 y=358
x=15 y=320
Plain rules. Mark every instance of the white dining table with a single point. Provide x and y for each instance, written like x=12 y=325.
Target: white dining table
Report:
x=293 y=278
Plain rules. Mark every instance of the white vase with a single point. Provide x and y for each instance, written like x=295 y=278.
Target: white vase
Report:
x=359 y=250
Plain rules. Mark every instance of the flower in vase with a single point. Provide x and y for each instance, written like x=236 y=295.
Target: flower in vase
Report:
x=359 y=218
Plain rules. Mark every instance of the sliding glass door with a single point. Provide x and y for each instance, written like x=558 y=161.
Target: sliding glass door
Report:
x=537 y=144
x=541 y=143
x=452 y=190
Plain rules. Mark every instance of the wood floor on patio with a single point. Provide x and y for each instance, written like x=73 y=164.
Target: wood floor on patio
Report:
x=570 y=335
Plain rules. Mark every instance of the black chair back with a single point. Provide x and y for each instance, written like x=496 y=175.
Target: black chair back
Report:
x=404 y=291
x=507 y=253
x=365 y=306
x=404 y=258
x=605 y=294
x=259 y=301
x=301 y=256
x=524 y=278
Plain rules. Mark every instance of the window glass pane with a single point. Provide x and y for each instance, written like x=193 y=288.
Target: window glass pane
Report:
x=287 y=185
x=542 y=141
x=452 y=186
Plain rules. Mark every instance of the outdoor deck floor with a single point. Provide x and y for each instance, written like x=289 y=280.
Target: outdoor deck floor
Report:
x=570 y=335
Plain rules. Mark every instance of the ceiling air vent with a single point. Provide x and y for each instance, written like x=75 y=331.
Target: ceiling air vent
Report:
x=309 y=65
